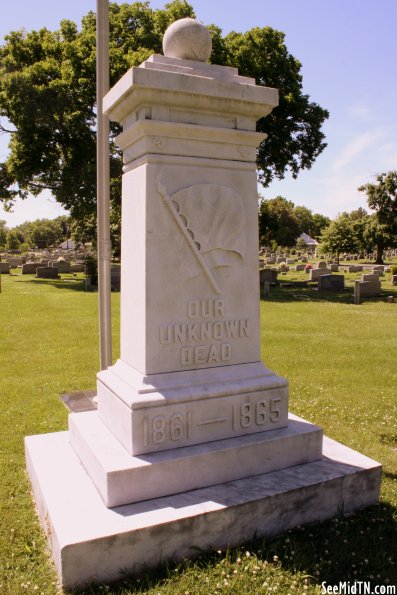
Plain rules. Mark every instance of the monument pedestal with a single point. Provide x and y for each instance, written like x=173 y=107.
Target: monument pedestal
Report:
x=156 y=412
x=191 y=446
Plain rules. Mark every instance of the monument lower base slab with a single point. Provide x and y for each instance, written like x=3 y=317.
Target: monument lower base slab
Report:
x=92 y=543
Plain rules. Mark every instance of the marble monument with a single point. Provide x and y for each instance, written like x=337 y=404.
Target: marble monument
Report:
x=192 y=444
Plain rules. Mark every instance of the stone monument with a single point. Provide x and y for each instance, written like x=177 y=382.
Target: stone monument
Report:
x=192 y=445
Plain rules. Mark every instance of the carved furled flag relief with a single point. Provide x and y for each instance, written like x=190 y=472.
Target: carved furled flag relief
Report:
x=212 y=219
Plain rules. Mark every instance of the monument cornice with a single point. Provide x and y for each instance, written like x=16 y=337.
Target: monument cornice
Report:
x=143 y=87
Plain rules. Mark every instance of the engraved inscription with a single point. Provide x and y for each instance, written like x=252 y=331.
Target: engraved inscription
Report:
x=248 y=414
x=176 y=426
x=195 y=332
x=206 y=337
x=206 y=354
x=218 y=420
x=161 y=428
x=158 y=429
x=201 y=421
x=209 y=308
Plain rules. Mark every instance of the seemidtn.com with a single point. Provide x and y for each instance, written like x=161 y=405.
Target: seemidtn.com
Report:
x=357 y=588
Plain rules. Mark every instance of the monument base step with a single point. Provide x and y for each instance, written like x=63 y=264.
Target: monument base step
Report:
x=92 y=543
x=123 y=479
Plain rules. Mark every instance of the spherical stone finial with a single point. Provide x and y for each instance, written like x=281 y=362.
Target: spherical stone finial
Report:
x=188 y=39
